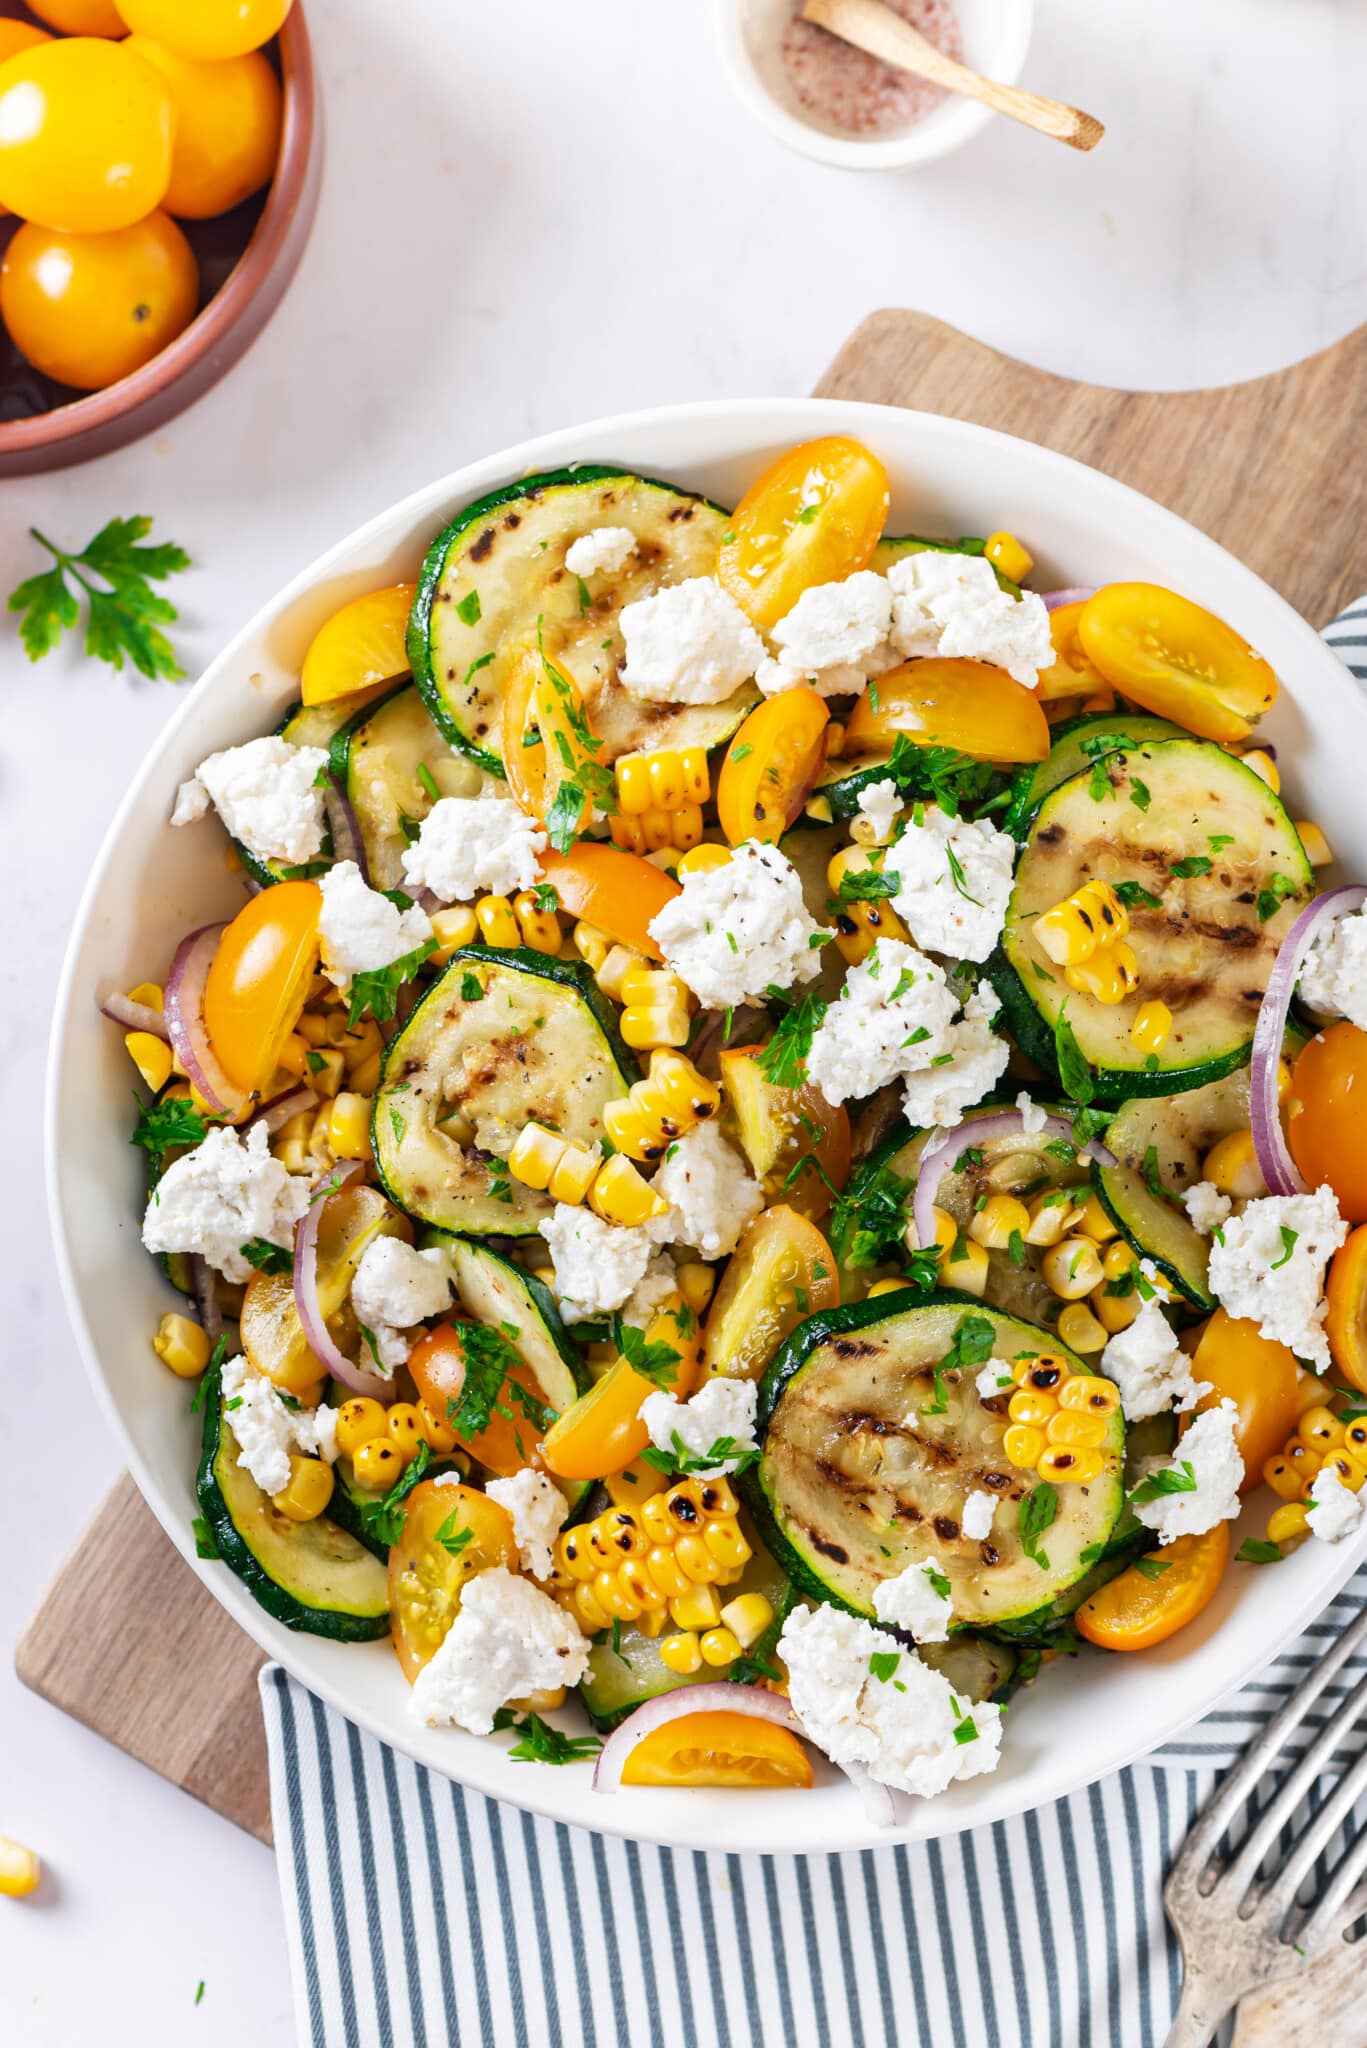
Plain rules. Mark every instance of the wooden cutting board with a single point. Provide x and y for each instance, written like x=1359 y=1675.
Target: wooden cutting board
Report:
x=1271 y=469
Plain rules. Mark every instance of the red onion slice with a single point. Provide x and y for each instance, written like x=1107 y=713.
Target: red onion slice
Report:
x=185 y=1022
x=204 y=1284
x=1279 y=1169
x=723 y=1697
x=1010 y=1123
x=121 y=1009
x=278 y=1111
x=1077 y=593
x=307 y=1305
x=347 y=843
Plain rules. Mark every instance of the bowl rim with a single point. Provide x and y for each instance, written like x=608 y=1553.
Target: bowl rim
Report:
x=945 y=129
x=993 y=1798
x=98 y=411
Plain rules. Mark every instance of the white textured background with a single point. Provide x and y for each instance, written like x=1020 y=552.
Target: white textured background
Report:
x=535 y=212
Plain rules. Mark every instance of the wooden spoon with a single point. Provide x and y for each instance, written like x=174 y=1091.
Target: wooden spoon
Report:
x=872 y=26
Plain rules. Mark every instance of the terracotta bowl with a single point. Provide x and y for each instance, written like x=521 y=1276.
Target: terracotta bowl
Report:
x=246 y=259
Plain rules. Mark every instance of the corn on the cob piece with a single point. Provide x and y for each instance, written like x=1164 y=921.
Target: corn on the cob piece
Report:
x=634 y=1561
x=673 y=1098
x=1092 y=917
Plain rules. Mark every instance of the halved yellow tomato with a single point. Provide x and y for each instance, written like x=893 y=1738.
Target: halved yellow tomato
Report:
x=603 y=1431
x=1346 y=1322
x=545 y=737
x=259 y=978
x=359 y=647
x=1071 y=674
x=449 y=1534
x=1139 y=1608
x=272 y=1335
x=942 y=702
x=719 y=1748
x=613 y=889
x=1177 y=659
x=815 y=516
x=782 y=1271
x=797 y=1144
x=771 y=764
x=512 y=1438
x=1260 y=1377
x=1326 y=1125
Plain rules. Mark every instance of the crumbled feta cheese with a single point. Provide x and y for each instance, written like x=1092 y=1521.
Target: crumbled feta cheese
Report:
x=1209 y=1454
x=895 y=1018
x=954 y=879
x=266 y=794
x=735 y=930
x=538 y=1512
x=508 y=1639
x=467 y=844
x=900 y=1728
x=360 y=930
x=1334 y=977
x=1335 y=1510
x=834 y=637
x=979 y=1511
x=1033 y=1117
x=1268 y=1264
x=721 y=1413
x=597 y=1264
x=976 y=1060
x=1149 y=1367
x=995 y=1378
x=688 y=644
x=395 y=1287
x=649 y=1295
x=1206 y=1207
x=954 y=605
x=222 y=1195
x=266 y=1431
x=912 y=1601
x=606 y=550
x=711 y=1195
x=880 y=803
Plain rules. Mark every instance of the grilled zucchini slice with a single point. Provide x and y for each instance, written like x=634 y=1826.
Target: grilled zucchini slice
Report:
x=376 y=758
x=1068 y=756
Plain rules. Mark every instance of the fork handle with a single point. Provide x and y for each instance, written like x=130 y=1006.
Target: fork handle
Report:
x=1200 y=2009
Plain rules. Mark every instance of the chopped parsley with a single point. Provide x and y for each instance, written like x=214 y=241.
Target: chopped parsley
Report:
x=1194 y=864
x=939 y=1403
x=1180 y=1479
x=657 y=1362
x=429 y=781
x=489 y=1387
x=868 y=1221
x=972 y=1343
x=539 y=1743
x=1215 y=840
x=268 y=1257
x=1132 y=894
x=939 y=1584
x=883 y=1664
x=378 y=989
x=1073 y=1070
x=452 y=1537
x=865 y=885
x=1152 y=1567
x=1289 y=1241
x=956 y=875
x=471 y=987
x=164 y=1126
x=783 y=1061
x=1037 y=1512
x=1140 y=794
x=467 y=611
x=382 y=1520
x=1153 y=1179
x=1256 y=1550
x=1271 y=898
x=680 y=1461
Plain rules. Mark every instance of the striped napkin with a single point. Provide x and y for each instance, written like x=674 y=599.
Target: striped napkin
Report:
x=421 y=1915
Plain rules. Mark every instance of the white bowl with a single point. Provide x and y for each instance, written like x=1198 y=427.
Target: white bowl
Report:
x=996 y=36
x=149 y=886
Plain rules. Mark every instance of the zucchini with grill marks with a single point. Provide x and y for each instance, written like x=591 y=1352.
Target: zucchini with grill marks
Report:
x=1068 y=756
x=389 y=759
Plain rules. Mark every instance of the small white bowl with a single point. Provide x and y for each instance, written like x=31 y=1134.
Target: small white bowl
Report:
x=996 y=36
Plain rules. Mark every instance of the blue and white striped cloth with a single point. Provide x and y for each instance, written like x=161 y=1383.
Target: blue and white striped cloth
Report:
x=420 y=1915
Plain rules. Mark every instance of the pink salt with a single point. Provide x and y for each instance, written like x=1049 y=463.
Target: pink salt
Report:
x=860 y=93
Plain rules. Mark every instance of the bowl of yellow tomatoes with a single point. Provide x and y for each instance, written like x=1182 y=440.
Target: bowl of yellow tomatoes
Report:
x=159 y=164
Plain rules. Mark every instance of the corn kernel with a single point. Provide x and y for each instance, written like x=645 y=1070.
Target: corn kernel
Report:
x=967 y=1268
x=696 y=1284
x=1023 y=1445
x=1000 y=1219
x=20 y=1869
x=1119 y=1259
x=1058 y=1463
x=1355 y=1440
x=620 y=1195
x=1151 y=1026
x=681 y=1654
x=378 y=1464
x=573 y=1173
x=1076 y=1432
x=1350 y=1471
x=635 y=1482
x=617 y=964
x=1264 y=767
x=885 y=1287
x=404 y=1428
x=1102 y=976
x=312 y=1028
x=1092 y=918
x=365 y=1078
x=452 y=928
x=1034 y=1408
x=1050 y=1216
x=1115 y=1312
x=591 y=944
x=497 y=924
x=150 y=994
x=818 y=808
x=1283 y=1477
x=151 y=1056
x=1316 y=847
x=359 y=1421
x=699 y=1607
x=1005 y=552
x=181 y=1345
x=1302 y=1459
x=1232 y=1166
x=440 y=1440
x=1289 y=1525
x=1095 y=1223
x=1071 y=1268
x=835 y=740
x=719 y=1647
x=747 y=1617
x=1321 y=1429
x=308 y=1492
x=700 y=860
x=646 y=1026
x=348 y=1126
x=946 y=1231
x=1079 y=1329
x=1088 y=1393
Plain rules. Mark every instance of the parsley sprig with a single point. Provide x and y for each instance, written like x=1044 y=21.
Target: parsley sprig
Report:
x=541 y=1744
x=124 y=614
x=377 y=990
x=166 y=1126
x=783 y=1061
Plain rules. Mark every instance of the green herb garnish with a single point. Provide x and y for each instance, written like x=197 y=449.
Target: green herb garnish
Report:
x=124 y=614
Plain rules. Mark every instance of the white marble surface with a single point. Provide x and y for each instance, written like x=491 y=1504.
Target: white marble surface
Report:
x=534 y=213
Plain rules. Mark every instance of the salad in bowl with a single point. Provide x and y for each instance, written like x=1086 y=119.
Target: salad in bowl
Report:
x=766 y=1145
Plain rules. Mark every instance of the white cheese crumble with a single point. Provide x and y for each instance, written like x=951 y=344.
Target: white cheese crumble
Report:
x=913 y=1602
x=721 y=1414
x=467 y=844
x=606 y=550
x=1148 y=1365
x=1334 y=977
x=1335 y=1511
x=895 y=1018
x=508 y=1639
x=976 y=1062
x=711 y=1194
x=538 y=1510
x=833 y=639
x=995 y=1378
x=734 y=930
x=1206 y=1207
x=954 y=879
x=1033 y=1116
x=360 y=930
x=979 y=1512
x=266 y=1431
x=395 y=1287
x=222 y=1195
x=881 y=803
x=688 y=644
x=658 y=1286
x=1210 y=1450
x=900 y=1728
x=953 y=605
x=1268 y=1264
x=266 y=793
x=597 y=1264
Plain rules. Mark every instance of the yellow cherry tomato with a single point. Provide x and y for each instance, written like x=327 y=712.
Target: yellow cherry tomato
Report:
x=797 y=1143
x=359 y=646
x=1260 y=1377
x=546 y=739
x=1346 y=1322
x=771 y=765
x=1070 y=674
x=85 y=135
x=939 y=702
x=259 y=978
x=815 y=516
x=79 y=17
x=272 y=1334
x=1327 y=1116
x=228 y=118
x=449 y=1534
x=90 y=309
x=617 y=891
x=207 y=29
x=782 y=1271
x=601 y=1432
x=16 y=36
x=1133 y=1611
x=720 y=1748
x=1177 y=659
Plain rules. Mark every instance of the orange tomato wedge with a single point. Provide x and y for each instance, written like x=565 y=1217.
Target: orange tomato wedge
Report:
x=797 y=1144
x=603 y=1432
x=1177 y=659
x=720 y=1748
x=359 y=647
x=771 y=764
x=1260 y=1377
x=259 y=979
x=1327 y=1116
x=968 y=705
x=512 y=1438
x=1070 y=674
x=815 y=516
x=1133 y=1611
x=546 y=739
x=782 y=1271
x=618 y=891
x=1346 y=1322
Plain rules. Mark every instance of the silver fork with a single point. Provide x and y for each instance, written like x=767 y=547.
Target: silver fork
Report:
x=1237 y=1932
